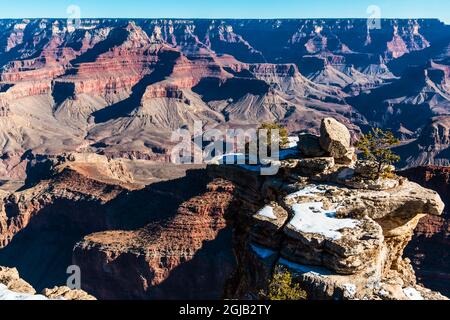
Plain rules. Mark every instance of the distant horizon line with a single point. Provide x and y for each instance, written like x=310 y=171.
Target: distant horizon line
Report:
x=217 y=18
x=444 y=22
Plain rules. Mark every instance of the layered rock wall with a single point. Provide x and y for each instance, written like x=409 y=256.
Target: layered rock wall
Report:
x=340 y=233
x=429 y=248
x=341 y=238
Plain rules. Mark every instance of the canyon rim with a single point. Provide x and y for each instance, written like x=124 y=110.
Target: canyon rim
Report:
x=93 y=205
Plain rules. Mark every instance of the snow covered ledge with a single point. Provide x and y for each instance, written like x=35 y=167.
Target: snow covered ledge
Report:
x=6 y=294
x=336 y=257
x=312 y=218
x=12 y=287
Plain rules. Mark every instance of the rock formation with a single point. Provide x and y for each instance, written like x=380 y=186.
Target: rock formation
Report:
x=341 y=236
x=12 y=287
x=334 y=142
x=428 y=250
x=73 y=195
x=432 y=146
x=185 y=257
x=340 y=240
x=120 y=87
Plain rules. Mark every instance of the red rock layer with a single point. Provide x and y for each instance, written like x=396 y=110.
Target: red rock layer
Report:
x=19 y=209
x=183 y=257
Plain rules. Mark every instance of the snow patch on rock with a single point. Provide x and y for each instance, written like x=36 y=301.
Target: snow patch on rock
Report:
x=310 y=217
x=267 y=212
x=412 y=294
x=292 y=142
x=349 y=290
x=6 y=294
x=307 y=191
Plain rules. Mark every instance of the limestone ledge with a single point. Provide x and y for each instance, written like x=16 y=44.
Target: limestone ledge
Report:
x=339 y=233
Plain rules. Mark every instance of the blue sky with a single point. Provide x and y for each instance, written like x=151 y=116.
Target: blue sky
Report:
x=227 y=8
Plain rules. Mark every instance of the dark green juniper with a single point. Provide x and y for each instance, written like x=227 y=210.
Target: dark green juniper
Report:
x=281 y=287
x=282 y=132
x=376 y=148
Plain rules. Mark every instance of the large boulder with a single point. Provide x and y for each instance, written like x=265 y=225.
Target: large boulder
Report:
x=335 y=138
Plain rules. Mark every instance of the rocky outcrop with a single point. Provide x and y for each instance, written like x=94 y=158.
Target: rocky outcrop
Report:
x=340 y=240
x=19 y=209
x=341 y=236
x=339 y=243
x=334 y=141
x=397 y=46
x=436 y=135
x=188 y=256
x=80 y=179
x=69 y=196
x=428 y=250
x=431 y=148
x=120 y=87
x=12 y=287
x=72 y=196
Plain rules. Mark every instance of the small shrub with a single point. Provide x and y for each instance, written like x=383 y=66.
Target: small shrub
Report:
x=376 y=148
x=283 y=134
x=281 y=287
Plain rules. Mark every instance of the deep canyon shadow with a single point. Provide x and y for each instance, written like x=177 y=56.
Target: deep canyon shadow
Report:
x=432 y=261
x=122 y=109
x=203 y=277
x=42 y=251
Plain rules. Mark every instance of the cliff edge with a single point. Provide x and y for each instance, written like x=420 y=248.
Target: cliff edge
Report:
x=339 y=233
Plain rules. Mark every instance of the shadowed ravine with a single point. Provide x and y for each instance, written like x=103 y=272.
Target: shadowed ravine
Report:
x=43 y=250
x=124 y=107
